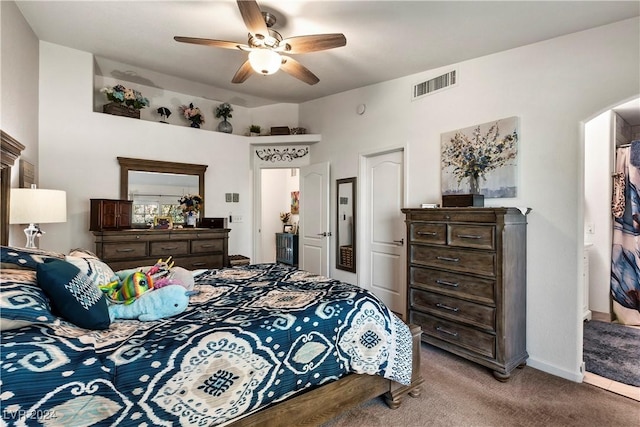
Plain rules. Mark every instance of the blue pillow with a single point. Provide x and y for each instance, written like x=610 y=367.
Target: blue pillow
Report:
x=24 y=258
x=73 y=295
x=22 y=302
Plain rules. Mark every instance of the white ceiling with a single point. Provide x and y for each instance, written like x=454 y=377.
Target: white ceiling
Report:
x=385 y=39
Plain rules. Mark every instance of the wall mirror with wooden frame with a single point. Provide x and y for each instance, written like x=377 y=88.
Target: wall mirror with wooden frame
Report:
x=155 y=188
x=346 y=224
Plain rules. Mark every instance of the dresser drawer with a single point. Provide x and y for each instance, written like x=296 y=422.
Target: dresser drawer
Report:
x=454 y=309
x=474 y=215
x=472 y=236
x=167 y=248
x=198 y=262
x=458 y=260
x=124 y=250
x=429 y=233
x=463 y=336
x=452 y=284
x=205 y=246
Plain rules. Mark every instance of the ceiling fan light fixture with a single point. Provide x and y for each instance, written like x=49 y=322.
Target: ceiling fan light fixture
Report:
x=265 y=61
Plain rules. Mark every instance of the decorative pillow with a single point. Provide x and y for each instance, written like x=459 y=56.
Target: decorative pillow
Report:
x=84 y=253
x=99 y=272
x=24 y=258
x=73 y=295
x=22 y=302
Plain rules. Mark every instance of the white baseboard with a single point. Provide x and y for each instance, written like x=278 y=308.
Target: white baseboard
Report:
x=576 y=376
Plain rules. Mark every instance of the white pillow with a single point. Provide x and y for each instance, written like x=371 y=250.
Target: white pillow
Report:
x=99 y=272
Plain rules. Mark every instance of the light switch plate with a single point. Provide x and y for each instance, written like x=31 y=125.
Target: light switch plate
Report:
x=236 y=197
x=227 y=197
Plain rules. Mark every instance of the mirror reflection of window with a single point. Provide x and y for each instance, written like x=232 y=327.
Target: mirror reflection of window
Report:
x=157 y=194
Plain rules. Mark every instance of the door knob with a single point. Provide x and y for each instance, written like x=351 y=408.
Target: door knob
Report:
x=399 y=242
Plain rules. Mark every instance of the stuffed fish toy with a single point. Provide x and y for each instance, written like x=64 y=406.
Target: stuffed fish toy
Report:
x=153 y=305
x=126 y=291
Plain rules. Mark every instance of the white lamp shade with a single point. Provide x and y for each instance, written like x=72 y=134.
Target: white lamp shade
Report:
x=265 y=61
x=37 y=206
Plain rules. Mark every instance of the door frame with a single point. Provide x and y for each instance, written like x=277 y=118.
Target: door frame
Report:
x=364 y=216
x=257 y=166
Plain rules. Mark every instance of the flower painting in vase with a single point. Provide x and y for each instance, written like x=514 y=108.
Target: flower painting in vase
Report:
x=481 y=159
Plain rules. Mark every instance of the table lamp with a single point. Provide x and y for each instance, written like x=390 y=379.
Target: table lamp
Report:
x=35 y=206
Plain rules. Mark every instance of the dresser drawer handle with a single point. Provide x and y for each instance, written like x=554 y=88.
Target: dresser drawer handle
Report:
x=426 y=233
x=440 y=329
x=209 y=245
x=444 y=258
x=125 y=250
x=446 y=307
x=198 y=264
x=469 y=236
x=444 y=282
x=168 y=248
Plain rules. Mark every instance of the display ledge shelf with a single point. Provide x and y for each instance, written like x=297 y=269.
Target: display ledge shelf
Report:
x=285 y=139
x=307 y=138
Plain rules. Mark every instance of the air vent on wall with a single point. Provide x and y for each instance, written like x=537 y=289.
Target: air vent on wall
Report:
x=434 y=85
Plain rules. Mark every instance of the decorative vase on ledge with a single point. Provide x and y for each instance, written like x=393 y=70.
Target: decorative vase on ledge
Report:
x=195 y=125
x=225 y=126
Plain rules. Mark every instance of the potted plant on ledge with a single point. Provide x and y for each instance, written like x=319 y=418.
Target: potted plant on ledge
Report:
x=124 y=102
x=254 y=130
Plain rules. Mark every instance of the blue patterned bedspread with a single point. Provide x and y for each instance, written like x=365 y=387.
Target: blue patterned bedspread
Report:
x=252 y=336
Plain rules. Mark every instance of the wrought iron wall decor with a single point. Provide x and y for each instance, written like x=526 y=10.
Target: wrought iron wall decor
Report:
x=281 y=155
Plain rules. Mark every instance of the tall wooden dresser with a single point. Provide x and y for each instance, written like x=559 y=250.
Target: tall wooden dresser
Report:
x=466 y=272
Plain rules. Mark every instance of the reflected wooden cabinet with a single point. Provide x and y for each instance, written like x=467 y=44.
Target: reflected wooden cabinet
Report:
x=287 y=248
x=108 y=214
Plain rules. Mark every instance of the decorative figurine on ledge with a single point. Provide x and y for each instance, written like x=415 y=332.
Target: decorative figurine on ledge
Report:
x=164 y=113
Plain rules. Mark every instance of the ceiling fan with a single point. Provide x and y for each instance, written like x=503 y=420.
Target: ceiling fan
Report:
x=267 y=48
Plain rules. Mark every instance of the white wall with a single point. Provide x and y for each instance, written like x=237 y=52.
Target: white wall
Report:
x=553 y=87
x=80 y=147
x=18 y=92
x=598 y=158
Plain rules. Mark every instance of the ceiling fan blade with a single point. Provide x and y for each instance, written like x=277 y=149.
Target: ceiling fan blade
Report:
x=252 y=17
x=297 y=70
x=211 y=42
x=314 y=43
x=243 y=73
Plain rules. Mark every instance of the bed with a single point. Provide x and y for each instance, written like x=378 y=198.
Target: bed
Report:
x=264 y=344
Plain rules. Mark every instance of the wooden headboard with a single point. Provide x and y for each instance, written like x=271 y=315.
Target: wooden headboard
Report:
x=11 y=150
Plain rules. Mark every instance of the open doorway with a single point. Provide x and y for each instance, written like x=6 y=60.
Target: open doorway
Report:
x=613 y=128
x=278 y=190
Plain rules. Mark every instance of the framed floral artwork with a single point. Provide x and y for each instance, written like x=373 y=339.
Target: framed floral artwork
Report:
x=481 y=159
x=295 y=202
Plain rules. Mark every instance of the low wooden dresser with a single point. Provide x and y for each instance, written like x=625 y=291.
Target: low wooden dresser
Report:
x=191 y=248
x=466 y=273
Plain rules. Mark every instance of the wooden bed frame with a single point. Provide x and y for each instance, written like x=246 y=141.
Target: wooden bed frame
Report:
x=324 y=403
x=311 y=408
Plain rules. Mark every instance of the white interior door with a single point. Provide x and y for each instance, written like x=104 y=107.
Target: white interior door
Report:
x=384 y=268
x=313 y=240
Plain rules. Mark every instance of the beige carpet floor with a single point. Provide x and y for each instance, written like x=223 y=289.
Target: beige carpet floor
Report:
x=459 y=393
